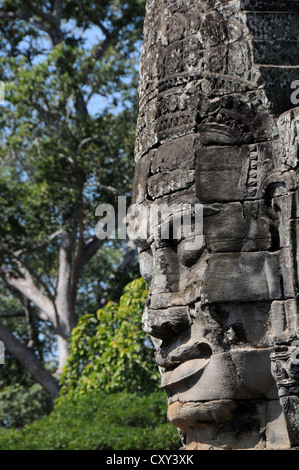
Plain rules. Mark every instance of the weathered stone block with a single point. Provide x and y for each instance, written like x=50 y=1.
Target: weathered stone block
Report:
x=278 y=82
x=216 y=379
x=277 y=52
x=218 y=174
x=243 y=277
x=142 y=172
x=243 y=323
x=275 y=37
x=276 y=431
x=177 y=111
x=244 y=113
x=257 y=380
x=287 y=272
x=270 y=5
x=238 y=227
x=146 y=136
x=174 y=155
x=259 y=233
x=146 y=264
x=165 y=271
x=278 y=318
x=166 y=183
x=288 y=125
x=164 y=300
x=236 y=61
x=292 y=316
x=225 y=229
x=271 y=26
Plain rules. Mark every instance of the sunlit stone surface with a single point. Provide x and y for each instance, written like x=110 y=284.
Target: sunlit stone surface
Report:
x=217 y=128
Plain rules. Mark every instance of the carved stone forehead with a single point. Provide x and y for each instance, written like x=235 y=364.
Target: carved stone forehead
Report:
x=208 y=62
x=209 y=100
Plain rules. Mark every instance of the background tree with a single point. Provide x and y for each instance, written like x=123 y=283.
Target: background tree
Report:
x=69 y=69
x=110 y=397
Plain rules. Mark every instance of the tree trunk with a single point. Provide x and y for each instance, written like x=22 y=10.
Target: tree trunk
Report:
x=63 y=353
x=29 y=361
x=65 y=307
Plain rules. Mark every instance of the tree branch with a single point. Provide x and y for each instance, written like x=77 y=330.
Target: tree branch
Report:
x=102 y=48
x=39 y=244
x=102 y=27
x=86 y=141
x=26 y=271
x=12 y=314
x=30 y=291
x=50 y=24
x=57 y=13
x=90 y=249
x=9 y=14
x=29 y=361
x=37 y=11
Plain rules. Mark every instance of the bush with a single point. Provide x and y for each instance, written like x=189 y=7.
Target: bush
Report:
x=99 y=421
x=109 y=351
x=110 y=398
x=20 y=405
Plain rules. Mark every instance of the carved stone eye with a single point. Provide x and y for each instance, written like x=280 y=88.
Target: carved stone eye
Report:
x=190 y=250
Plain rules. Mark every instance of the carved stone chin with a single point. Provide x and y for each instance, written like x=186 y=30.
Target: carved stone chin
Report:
x=216 y=207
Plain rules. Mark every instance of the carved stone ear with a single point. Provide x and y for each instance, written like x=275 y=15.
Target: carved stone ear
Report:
x=275 y=179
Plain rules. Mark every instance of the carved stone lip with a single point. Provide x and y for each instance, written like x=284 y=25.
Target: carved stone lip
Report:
x=172 y=356
x=182 y=372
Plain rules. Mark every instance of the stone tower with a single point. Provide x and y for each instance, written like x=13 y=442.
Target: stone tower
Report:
x=218 y=128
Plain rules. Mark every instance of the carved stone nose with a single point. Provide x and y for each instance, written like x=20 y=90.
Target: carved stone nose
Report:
x=166 y=323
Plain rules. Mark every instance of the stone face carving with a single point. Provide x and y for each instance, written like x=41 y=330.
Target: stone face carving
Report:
x=216 y=128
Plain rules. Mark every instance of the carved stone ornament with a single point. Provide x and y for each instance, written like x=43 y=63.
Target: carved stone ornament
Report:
x=285 y=370
x=217 y=150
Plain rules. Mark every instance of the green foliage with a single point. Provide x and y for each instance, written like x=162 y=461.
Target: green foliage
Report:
x=21 y=404
x=67 y=145
x=99 y=421
x=109 y=351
